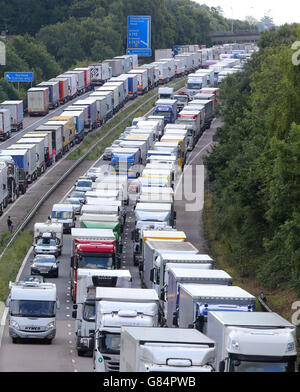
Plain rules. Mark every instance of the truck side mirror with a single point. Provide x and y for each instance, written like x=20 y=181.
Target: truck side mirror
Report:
x=222 y=367
x=72 y=261
x=141 y=267
x=175 y=214
x=75 y=306
x=74 y=314
x=162 y=295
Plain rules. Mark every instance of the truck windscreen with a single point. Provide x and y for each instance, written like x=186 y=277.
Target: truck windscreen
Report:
x=194 y=86
x=96 y=261
x=62 y=214
x=32 y=308
x=110 y=343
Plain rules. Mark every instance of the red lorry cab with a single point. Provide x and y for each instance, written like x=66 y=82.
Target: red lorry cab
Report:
x=91 y=255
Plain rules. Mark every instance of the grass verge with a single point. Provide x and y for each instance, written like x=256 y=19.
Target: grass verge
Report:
x=93 y=137
x=12 y=260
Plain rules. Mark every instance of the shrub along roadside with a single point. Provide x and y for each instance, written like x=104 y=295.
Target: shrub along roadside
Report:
x=93 y=137
x=12 y=260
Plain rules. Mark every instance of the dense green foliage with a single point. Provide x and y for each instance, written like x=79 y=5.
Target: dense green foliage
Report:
x=255 y=168
x=27 y=55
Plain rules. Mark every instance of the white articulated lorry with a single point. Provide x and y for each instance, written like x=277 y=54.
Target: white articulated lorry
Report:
x=166 y=350
x=196 y=300
x=252 y=342
x=178 y=276
x=84 y=311
x=32 y=310
x=117 y=308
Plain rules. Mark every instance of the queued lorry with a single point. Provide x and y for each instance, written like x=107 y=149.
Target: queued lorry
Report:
x=92 y=249
x=4 y=195
x=28 y=161
x=194 y=120
x=38 y=101
x=56 y=132
x=40 y=151
x=63 y=89
x=166 y=108
x=252 y=341
x=196 y=300
x=99 y=73
x=32 y=310
x=53 y=93
x=142 y=79
x=115 y=309
x=166 y=350
x=84 y=311
x=177 y=276
x=5 y=124
x=16 y=113
x=13 y=181
x=19 y=167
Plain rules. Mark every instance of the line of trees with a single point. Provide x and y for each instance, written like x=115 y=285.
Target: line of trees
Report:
x=255 y=168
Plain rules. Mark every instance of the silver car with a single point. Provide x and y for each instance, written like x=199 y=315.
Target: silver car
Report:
x=45 y=265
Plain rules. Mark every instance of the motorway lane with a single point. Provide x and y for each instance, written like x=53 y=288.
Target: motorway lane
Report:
x=61 y=356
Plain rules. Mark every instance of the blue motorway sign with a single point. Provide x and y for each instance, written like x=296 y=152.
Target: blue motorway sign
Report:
x=139 y=35
x=19 y=76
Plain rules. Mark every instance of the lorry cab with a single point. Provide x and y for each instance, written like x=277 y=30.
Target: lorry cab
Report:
x=56 y=231
x=84 y=311
x=65 y=214
x=166 y=108
x=32 y=310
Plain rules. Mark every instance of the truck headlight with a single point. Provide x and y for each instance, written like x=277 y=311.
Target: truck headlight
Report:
x=14 y=324
x=51 y=325
x=84 y=342
x=235 y=345
x=290 y=347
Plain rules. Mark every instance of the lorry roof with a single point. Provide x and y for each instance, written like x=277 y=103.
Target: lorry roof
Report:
x=248 y=319
x=153 y=207
x=87 y=233
x=125 y=294
x=170 y=335
x=199 y=273
x=168 y=234
x=216 y=291
x=185 y=257
x=82 y=272
x=173 y=246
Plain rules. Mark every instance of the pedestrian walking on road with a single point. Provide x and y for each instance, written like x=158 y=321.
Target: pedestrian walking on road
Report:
x=10 y=225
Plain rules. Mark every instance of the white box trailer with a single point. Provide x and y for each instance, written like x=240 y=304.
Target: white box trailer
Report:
x=165 y=350
x=196 y=300
x=141 y=145
x=57 y=137
x=72 y=84
x=4 y=196
x=163 y=54
x=40 y=152
x=116 y=308
x=178 y=276
x=53 y=92
x=115 y=95
x=48 y=147
x=108 y=95
x=16 y=113
x=171 y=66
x=164 y=75
x=80 y=80
x=38 y=101
x=99 y=73
x=142 y=77
x=151 y=77
x=32 y=158
x=124 y=80
x=121 y=91
x=116 y=66
x=252 y=342
x=5 y=124
x=101 y=107
x=126 y=61
x=152 y=249
x=87 y=77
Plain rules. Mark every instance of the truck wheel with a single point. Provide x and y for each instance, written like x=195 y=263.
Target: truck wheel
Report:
x=48 y=341
x=15 y=340
x=80 y=353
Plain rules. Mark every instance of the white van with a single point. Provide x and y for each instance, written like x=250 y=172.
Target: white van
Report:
x=65 y=214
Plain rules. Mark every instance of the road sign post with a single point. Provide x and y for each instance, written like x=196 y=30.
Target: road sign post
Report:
x=139 y=36
x=2 y=53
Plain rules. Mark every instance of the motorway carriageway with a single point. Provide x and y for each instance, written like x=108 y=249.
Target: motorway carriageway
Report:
x=61 y=355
